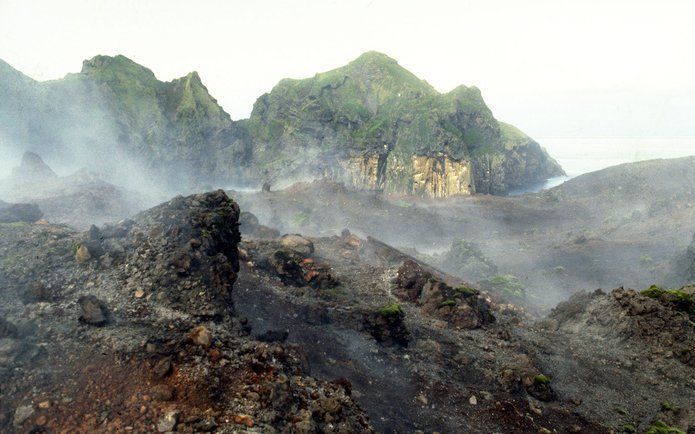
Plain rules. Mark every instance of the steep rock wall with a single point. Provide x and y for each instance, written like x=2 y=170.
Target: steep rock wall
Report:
x=441 y=176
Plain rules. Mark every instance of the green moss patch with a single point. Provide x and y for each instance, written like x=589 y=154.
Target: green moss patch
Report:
x=660 y=427
x=679 y=299
x=541 y=379
x=390 y=310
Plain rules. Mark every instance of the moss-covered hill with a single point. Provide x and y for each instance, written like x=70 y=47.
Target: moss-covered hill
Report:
x=116 y=114
x=373 y=107
x=371 y=123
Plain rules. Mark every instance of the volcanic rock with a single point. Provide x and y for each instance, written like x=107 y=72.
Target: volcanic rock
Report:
x=92 y=310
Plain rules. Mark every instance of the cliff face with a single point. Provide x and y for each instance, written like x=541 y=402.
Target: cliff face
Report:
x=378 y=125
x=441 y=177
x=371 y=124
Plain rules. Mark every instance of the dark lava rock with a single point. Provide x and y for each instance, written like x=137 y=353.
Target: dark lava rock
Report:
x=7 y=329
x=462 y=307
x=248 y=222
x=162 y=368
x=251 y=228
x=273 y=336
x=410 y=280
x=540 y=389
x=286 y=266
x=20 y=212
x=92 y=310
x=295 y=269
x=387 y=327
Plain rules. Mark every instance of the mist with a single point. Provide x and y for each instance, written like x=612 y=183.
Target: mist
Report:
x=309 y=216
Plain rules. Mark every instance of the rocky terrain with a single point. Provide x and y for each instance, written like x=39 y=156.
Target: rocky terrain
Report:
x=627 y=225
x=173 y=321
x=130 y=328
x=371 y=124
x=80 y=199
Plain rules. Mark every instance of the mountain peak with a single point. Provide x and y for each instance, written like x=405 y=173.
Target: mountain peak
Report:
x=107 y=67
x=373 y=57
x=32 y=169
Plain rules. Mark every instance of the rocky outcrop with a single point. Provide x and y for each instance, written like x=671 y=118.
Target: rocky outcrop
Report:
x=145 y=321
x=463 y=307
x=19 y=212
x=466 y=260
x=32 y=170
x=380 y=127
x=80 y=199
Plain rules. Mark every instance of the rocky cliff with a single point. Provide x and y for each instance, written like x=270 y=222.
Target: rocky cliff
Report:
x=116 y=117
x=371 y=124
x=374 y=124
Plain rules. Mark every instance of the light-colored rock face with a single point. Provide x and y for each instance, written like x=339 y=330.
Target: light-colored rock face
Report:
x=427 y=176
x=441 y=176
x=363 y=172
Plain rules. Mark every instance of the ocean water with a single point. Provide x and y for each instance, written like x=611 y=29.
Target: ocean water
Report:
x=579 y=156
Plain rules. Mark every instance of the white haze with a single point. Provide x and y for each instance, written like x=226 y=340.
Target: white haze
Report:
x=554 y=68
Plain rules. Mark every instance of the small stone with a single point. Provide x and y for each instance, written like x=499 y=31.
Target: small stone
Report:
x=44 y=404
x=7 y=329
x=139 y=293
x=422 y=399
x=82 y=254
x=162 y=368
x=168 y=422
x=200 y=336
x=162 y=392
x=473 y=400
x=41 y=420
x=206 y=425
x=243 y=419
x=92 y=310
x=21 y=414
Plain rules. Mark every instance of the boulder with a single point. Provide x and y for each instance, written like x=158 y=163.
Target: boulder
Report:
x=297 y=243
x=92 y=310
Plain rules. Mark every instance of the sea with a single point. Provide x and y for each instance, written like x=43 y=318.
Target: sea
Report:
x=579 y=156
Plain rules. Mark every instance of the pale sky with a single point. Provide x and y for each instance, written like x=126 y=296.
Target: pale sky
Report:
x=583 y=68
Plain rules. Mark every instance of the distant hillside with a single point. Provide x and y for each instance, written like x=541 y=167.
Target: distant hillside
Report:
x=115 y=113
x=660 y=178
x=371 y=124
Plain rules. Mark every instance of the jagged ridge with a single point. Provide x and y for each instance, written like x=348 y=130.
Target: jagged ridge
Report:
x=371 y=123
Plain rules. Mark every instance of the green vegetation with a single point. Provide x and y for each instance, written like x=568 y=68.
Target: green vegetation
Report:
x=541 y=379
x=370 y=106
x=446 y=303
x=660 y=427
x=465 y=259
x=679 y=299
x=667 y=406
x=10 y=260
x=13 y=225
x=507 y=285
x=629 y=428
x=390 y=310
x=467 y=291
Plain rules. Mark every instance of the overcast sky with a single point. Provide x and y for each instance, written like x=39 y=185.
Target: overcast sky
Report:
x=554 y=68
